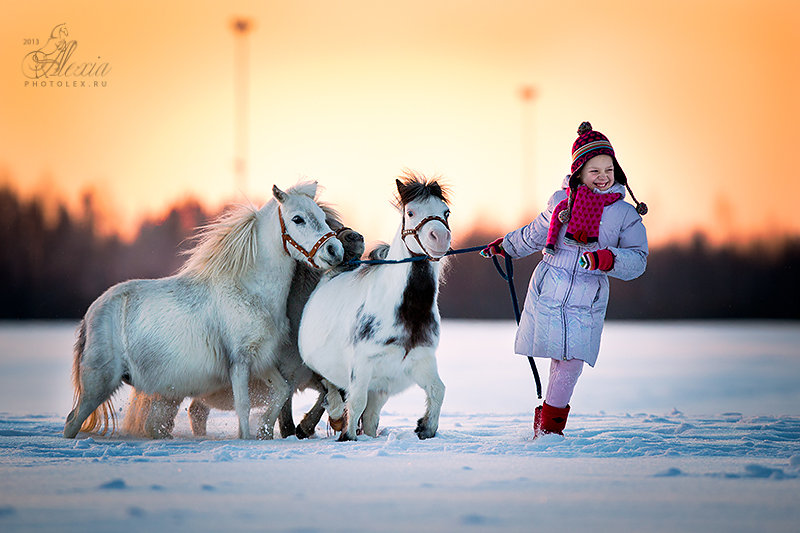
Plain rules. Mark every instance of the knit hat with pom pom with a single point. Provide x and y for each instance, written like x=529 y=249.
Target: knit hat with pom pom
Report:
x=591 y=143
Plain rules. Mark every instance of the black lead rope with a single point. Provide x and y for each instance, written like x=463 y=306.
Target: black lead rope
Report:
x=508 y=275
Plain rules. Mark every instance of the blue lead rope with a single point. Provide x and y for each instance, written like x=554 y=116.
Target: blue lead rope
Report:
x=507 y=275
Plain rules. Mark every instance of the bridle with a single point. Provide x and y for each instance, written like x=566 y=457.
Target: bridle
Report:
x=287 y=239
x=415 y=232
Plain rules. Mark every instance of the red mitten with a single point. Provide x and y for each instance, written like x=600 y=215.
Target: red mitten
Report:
x=598 y=260
x=494 y=248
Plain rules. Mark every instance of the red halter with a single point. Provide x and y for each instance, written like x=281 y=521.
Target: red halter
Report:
x=287 y=239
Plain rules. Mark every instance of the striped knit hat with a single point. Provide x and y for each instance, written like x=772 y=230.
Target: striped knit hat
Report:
x=592 y=143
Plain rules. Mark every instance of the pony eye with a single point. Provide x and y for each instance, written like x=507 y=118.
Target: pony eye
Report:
x=297 y=219
x=410 y=214
x=446 y=215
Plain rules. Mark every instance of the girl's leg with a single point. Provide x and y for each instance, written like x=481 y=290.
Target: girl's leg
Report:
x=563 y=377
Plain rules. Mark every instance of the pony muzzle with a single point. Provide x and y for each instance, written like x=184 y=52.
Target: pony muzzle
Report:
x=330 y=252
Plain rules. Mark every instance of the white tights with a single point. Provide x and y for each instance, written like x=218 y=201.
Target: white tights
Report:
x=563 y=377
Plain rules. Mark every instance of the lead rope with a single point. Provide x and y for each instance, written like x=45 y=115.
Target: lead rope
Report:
x=508 y=275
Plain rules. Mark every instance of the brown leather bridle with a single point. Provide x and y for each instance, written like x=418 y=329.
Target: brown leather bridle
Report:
x=287 y=239
x=415 y=232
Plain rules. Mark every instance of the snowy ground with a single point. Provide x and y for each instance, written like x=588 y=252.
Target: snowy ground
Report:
x=680 y=427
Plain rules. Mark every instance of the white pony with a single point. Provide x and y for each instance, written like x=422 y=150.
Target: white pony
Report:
x=374 y=331
x=216 y=323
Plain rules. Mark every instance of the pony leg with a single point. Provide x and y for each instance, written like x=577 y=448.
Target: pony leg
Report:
x=240 y=378
x=135 y=416
x=278 y=392
x=311 y=419
x=198 y=417
x=334 y=401
x=161 y=419
x=372 y=414
x=425 y=373
x=356 y=402
x=286 y=420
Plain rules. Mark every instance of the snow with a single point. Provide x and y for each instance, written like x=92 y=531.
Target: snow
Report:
x=680 y=427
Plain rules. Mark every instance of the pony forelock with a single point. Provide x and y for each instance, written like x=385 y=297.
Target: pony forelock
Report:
x=307 y=188
x=225 y=248
x=415 y=186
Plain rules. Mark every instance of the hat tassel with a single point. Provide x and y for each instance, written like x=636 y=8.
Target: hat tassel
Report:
x=641 y=207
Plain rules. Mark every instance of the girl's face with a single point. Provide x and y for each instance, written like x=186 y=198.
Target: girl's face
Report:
x=598 y=172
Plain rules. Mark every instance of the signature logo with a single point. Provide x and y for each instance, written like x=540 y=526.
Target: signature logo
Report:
x=55 y=60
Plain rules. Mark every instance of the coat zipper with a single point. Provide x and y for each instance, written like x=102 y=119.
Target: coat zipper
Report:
x=564 y=303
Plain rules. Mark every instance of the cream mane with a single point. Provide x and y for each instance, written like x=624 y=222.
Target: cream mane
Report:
x=227 y=247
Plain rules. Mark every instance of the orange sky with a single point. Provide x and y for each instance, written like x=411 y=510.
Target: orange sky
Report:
x=699 y=98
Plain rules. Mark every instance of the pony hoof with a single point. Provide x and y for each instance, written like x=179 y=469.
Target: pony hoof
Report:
x=337 y=424
x=423 y=431
x=344 y=437
x=300 y=433
x=263 y=434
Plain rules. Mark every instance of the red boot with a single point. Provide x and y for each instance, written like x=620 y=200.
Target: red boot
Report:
x=549 y=419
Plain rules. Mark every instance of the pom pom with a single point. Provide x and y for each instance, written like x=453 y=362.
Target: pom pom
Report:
x=641 y=209
x=564 y=215
x=584 y=128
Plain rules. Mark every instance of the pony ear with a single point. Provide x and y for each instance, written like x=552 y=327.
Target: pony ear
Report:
x=309 y=188
x=400 y=187
x=278 y=194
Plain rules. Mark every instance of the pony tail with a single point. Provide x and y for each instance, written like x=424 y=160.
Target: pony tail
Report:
x=641 y=207
x=98 y=421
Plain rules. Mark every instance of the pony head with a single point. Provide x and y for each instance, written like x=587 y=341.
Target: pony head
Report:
x=425 y=230
x=305 y=233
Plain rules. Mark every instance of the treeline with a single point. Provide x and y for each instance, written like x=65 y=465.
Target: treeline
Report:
x=55 y=267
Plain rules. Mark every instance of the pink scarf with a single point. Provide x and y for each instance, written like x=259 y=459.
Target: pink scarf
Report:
x=583 y=213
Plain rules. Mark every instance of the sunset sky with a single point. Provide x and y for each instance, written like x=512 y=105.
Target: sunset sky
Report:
x=699 y=99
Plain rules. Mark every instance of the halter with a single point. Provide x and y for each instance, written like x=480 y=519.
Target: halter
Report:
x=415 y=232
x=287 y=239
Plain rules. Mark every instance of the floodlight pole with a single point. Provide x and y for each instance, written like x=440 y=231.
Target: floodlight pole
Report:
x=241 y=27
x=527 y=95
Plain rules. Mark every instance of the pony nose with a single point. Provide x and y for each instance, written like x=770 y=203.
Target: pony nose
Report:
x=439 y=238
x=335 y=251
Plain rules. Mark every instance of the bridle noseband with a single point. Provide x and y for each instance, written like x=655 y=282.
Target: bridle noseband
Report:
x=415 y=232
x=287 y=239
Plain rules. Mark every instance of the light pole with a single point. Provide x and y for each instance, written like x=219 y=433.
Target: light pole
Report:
x=527 y=95
x=241 y=27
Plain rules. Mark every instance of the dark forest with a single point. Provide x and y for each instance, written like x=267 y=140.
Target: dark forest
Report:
x=54 y=267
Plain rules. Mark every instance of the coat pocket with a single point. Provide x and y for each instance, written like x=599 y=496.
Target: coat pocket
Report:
x=586 y=291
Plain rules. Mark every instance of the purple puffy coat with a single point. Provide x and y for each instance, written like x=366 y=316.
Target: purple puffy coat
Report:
x=566 y=305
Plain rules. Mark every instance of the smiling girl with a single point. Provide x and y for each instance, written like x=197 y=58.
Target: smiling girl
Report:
x=586 y=234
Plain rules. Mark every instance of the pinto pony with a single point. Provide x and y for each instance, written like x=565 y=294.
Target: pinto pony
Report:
x=217 y=323
x=374 y=331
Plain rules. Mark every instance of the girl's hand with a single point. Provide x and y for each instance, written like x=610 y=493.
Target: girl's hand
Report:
x=494 y=248
x=597 y=260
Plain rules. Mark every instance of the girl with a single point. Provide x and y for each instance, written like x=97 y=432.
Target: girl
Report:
x=586 y=234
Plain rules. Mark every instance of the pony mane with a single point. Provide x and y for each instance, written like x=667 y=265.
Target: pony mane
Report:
x=417 y=187
x=225 y=248
x=332 y=216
